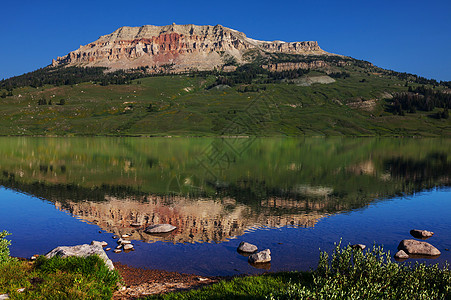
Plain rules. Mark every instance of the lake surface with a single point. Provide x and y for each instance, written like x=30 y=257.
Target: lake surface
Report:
x=293 y=196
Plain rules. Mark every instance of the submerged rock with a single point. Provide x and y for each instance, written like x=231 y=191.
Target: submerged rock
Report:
x=160 y=228
x=418 y=248
x=421 y=234
x=84 y=250
x=401 y=255
x=260 y=257
x=247 y=247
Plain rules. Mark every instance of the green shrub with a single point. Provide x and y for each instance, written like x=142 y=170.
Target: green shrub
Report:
x=4 y=247
x=355 y=274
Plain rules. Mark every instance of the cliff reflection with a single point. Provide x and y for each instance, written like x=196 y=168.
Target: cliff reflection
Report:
x=197 y=220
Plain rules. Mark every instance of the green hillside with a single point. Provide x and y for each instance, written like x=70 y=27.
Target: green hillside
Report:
x=249 y=101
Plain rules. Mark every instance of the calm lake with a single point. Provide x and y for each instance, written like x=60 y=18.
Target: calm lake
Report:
x=293 y=196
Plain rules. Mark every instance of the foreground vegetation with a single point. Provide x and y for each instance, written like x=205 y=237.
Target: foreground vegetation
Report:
x=347 y=274
x=55 y=278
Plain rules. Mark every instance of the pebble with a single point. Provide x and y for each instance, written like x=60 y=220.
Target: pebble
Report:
x=115 y=236
x=107 y=249
x=124 y=236
x=119 y=247
x=359 y=246
x=123 y=242
x=128 y=247
x=117 y=251
x=202 y=279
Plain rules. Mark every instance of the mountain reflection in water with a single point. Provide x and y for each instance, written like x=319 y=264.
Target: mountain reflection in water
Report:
x=213 y=191
x=197 y=220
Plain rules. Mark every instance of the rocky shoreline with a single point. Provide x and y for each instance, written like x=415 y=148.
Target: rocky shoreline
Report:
x=140 y=282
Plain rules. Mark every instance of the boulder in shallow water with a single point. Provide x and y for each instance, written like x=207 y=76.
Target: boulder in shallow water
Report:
x=247 y=247
x=160 y=228
x=260 y=257
x=418 y=248
x=84 y=250
x=421 y=234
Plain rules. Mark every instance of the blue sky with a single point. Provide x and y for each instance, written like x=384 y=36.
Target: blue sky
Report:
x=407 y=36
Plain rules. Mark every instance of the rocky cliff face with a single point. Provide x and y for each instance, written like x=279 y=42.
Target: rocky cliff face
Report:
x=180 y=47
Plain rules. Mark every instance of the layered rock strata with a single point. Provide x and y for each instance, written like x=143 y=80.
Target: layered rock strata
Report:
x=177 y=48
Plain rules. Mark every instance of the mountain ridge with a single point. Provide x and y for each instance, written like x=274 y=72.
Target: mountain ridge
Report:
x=182 y=47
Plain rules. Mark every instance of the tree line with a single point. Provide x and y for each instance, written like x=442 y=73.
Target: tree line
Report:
x=71 y=75
x=421 y=98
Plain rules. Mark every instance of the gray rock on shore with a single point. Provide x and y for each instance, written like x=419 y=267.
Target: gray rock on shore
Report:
x=103 y=243
x=84 y=250
x=260 y=257
x=421 y=234
x=159 y=228
x=418 y=248
x=247 y=247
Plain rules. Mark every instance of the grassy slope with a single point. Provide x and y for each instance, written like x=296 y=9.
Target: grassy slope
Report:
x=182 y=106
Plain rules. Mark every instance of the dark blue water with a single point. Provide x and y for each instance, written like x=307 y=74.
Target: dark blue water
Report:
x=37 y=227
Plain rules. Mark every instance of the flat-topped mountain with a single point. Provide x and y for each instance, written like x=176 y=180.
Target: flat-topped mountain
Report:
x=183 y=47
